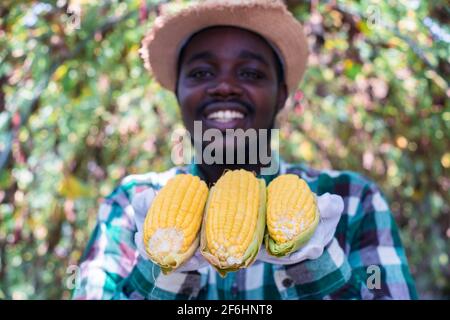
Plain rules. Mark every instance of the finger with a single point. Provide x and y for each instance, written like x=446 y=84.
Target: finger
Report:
x=141 y=203
x=138 y=240
x=194 y=263
x=330 y=205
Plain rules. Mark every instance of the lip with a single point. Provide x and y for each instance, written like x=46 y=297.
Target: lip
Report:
x=238 y=123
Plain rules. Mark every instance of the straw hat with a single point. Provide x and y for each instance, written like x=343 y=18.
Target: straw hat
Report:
x=268 y=18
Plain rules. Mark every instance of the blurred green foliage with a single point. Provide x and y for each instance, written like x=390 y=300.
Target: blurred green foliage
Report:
x=78 y=112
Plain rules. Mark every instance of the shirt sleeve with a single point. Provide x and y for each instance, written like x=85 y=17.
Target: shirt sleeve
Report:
x=368 y=263
x=111 y=252
x=111 y=267
x=375 y=253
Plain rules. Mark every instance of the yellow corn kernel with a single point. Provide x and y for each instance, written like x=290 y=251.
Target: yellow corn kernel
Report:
x=292 y=214
x=172 y=224
x=234 y=222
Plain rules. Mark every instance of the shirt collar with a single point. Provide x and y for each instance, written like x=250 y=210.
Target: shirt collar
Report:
x=194 y=169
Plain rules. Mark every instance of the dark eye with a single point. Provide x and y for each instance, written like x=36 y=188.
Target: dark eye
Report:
x=200 y=74
x=251 y=74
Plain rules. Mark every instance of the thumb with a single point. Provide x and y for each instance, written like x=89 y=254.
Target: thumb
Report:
x=330 y=205
x=141 y=204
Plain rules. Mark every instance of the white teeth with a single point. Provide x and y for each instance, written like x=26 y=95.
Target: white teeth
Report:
x=226 y=115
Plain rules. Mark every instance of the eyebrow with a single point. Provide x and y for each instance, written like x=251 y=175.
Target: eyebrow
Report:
x=244 y=54
x=200 y=56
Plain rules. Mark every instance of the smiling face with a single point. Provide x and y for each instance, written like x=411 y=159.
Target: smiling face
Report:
x=228 y=79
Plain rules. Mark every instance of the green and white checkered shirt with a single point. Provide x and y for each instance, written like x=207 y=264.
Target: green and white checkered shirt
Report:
x=366 y=241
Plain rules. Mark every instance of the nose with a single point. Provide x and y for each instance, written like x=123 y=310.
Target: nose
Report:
x=225 y=88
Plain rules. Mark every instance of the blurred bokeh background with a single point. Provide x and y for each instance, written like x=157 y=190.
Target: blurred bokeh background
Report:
x=78 y=112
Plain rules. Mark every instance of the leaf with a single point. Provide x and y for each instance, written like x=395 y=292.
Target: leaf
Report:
x=364 y=28
x=351 y=69
x=60 y=72
x=73 y=188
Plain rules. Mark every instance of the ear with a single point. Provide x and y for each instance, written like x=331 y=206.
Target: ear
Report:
x=282 y=96
x=175 y=92
x=176 y=96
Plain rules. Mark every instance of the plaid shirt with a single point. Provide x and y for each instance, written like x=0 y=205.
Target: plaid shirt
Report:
x=366 y=245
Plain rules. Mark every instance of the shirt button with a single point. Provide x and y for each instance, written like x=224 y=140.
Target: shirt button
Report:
x=287 y=282
x=234 y=290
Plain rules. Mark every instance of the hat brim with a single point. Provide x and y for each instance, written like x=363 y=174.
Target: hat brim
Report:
x=161 y=46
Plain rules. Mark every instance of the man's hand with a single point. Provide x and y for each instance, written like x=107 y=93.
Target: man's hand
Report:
x=331 y=207
x=141 y=204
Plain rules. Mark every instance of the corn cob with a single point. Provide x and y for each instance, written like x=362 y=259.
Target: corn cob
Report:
x=172 y=224
x=292 y=215
x=234 y=223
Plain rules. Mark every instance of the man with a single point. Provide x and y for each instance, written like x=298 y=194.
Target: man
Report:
x=232 y=65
